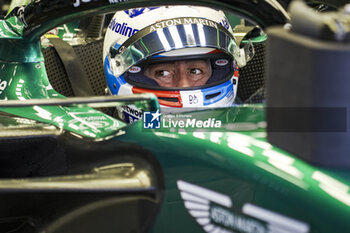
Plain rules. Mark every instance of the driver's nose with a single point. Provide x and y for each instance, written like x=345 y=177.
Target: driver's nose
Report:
x=183 y=82
x=181 y=75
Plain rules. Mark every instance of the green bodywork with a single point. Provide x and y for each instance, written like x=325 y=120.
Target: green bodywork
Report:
x=243 y=165
x=237 y=161
x=23 y=77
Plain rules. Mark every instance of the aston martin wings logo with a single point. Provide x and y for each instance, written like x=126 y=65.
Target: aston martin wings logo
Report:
x=213 y=211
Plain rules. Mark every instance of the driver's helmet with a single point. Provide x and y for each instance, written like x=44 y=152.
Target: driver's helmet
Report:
x=136 y=39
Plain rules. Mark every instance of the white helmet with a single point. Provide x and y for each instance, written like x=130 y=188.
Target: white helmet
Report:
x=139 y=37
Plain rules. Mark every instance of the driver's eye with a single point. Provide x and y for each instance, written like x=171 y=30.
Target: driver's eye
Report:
x=196 y=71
x=162 y=73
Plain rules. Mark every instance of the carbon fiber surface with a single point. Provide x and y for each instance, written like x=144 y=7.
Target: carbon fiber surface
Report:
x=91 y=57
x=252 y=76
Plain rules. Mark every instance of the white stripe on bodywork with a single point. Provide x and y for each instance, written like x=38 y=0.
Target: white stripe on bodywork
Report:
x=190 y=197
x=276 y=221
x=204 y=193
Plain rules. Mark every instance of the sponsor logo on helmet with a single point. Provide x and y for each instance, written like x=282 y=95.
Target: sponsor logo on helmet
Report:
x=138 y=11
x=225 y=23
x=221 y=62
x=179 y=21
x=135 y=69
x=122 y=28
x=132 y=111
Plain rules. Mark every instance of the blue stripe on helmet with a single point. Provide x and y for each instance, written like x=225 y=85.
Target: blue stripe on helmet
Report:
x=225 y=89
x=139 y=11
x=156 y=56
x=111 y=79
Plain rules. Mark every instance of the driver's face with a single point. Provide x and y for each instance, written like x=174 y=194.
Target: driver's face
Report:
x=190 y=73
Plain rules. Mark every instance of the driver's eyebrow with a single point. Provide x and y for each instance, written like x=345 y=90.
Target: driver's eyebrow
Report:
x=157 y=66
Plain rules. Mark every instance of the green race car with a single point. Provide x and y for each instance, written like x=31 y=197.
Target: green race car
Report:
x=69 y=163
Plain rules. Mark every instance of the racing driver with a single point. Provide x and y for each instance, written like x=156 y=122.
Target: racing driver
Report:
x=185 y=55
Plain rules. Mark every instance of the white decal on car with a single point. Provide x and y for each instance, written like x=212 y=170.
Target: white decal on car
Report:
x=214 y=212
x=3 y=85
